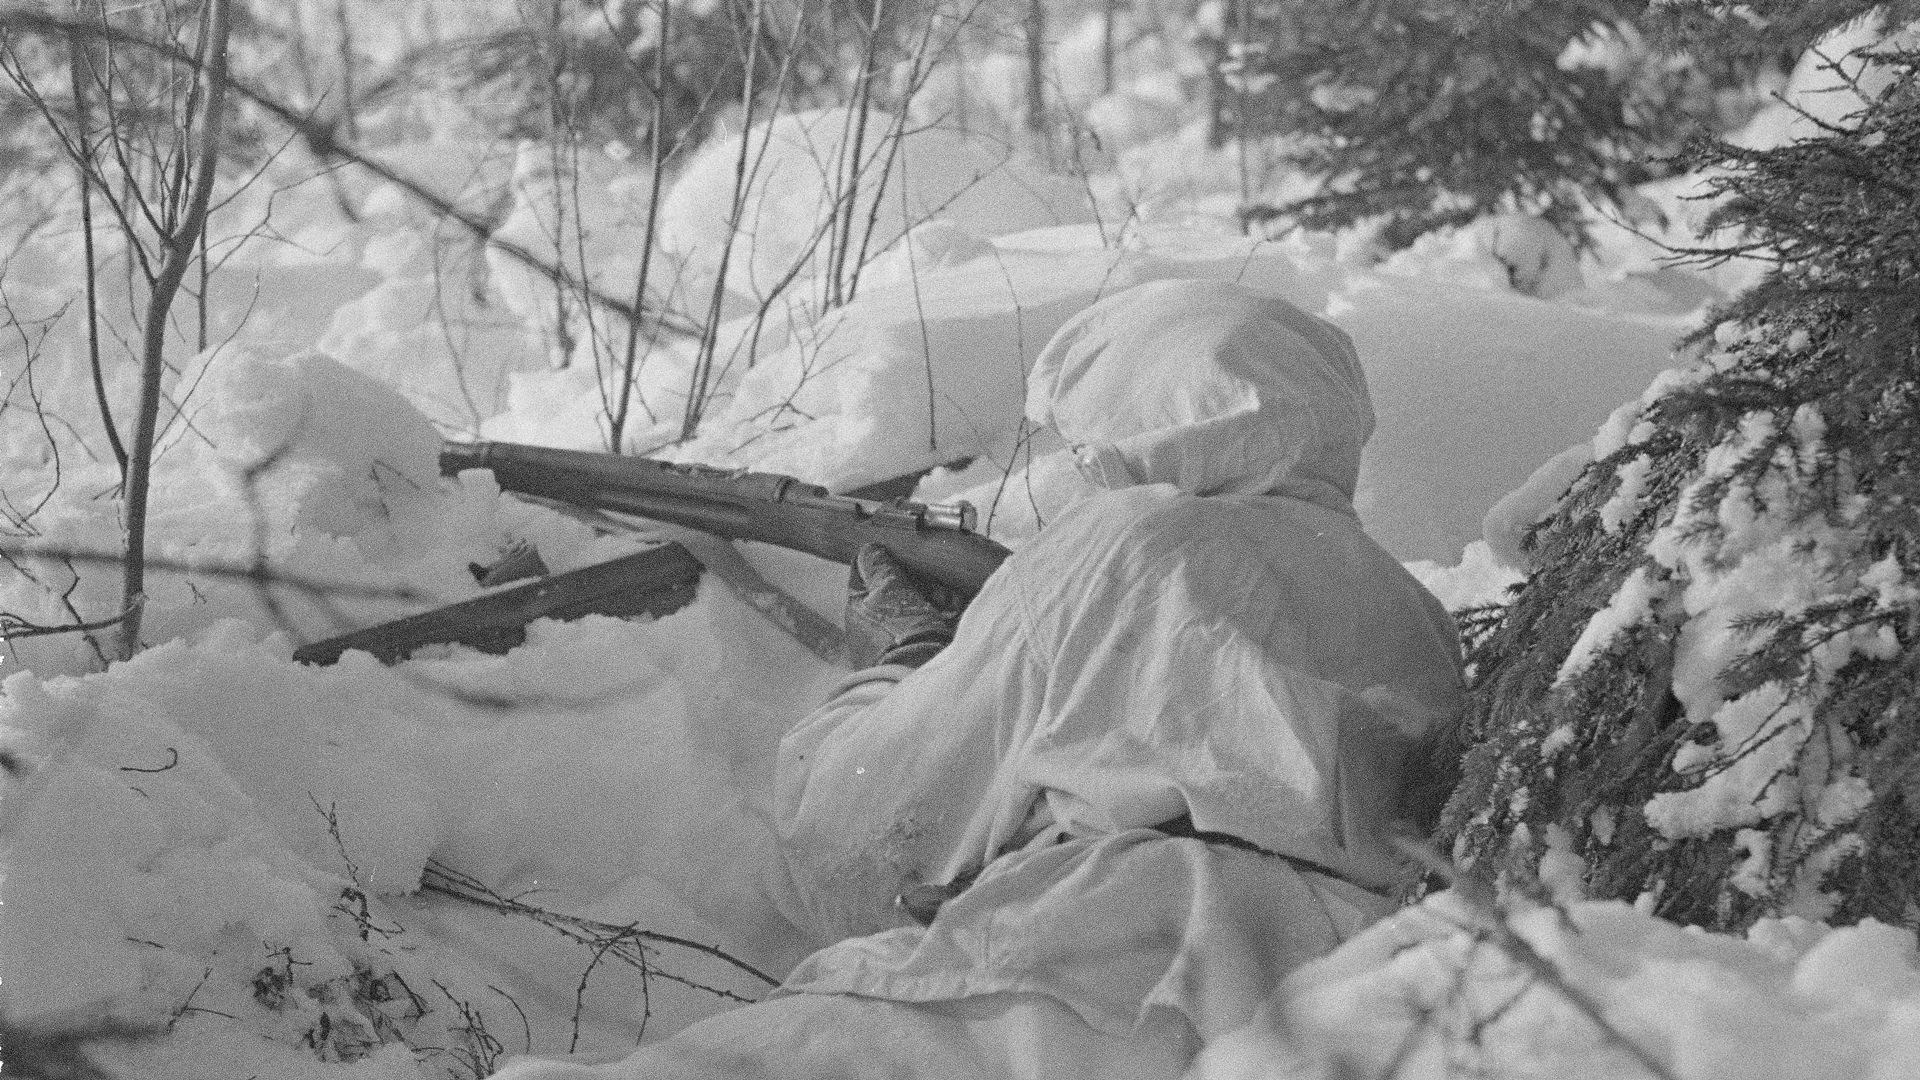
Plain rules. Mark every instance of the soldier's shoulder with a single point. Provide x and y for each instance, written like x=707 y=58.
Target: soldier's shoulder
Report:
x=1131 y=510
x=1140 y=525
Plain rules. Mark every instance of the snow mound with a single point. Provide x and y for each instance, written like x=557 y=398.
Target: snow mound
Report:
x=587 y=213
x=353 y=454
x=1424 y=994
x=428 y=328
x=209 y=811
x=882 y=176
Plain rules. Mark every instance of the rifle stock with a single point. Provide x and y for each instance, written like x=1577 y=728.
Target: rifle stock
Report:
x=936 y=542
x=654 y=582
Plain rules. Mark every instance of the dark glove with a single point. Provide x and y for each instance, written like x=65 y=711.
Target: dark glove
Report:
x=893 y=617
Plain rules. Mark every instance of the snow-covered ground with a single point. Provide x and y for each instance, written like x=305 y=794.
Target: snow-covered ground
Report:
x=215 y=856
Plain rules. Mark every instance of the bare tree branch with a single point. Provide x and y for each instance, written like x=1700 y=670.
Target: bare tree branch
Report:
x=321 y=139
x=206 y=108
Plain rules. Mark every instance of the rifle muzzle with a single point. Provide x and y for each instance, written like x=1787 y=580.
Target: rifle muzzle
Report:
x=456 y=457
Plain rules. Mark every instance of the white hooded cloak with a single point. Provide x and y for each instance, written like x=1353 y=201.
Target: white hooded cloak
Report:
x=1212 y=638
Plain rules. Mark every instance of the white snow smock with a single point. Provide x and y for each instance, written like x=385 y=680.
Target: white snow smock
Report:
x=1213 y=638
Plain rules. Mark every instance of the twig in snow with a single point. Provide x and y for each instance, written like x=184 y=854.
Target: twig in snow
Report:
x=628 y=943
x=526 y=1027
x=483 y=1050
x=187 y=1006
x=302 y=583
x=173 y=759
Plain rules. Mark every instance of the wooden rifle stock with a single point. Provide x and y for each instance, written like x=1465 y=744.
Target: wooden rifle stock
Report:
x=655 y=582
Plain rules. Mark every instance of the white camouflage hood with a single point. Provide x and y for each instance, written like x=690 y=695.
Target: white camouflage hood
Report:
x=1207 y=386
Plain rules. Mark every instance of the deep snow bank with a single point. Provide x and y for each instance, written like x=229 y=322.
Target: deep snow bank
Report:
x=815 y=194
x=1427 y=994
x=210 y=812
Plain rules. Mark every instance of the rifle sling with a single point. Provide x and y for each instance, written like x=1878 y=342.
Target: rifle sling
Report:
x=924 y=901
x=1182 y=828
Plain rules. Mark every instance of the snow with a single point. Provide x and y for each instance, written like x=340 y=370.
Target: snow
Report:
x=1763 y=563
x=1720 y=570
x=1505 y=250
x=1629 y=606
x=1888 y=583
x=1505 y=525
x=1473 y=388
x=215 y=842
x=419 y=326
x=1481 y=577
x=582 y=770
x=793 y=173
x=1781 y=1003
x=1829 y=84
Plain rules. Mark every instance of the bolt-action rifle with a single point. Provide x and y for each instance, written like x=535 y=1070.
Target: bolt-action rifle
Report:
x=936 y=542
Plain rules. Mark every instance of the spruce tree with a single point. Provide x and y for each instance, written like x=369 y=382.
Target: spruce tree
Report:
x=1753 y=29
x=1420 y=114
x=1707 y=693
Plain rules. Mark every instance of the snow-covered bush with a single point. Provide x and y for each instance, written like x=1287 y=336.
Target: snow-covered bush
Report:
x=1705 y=693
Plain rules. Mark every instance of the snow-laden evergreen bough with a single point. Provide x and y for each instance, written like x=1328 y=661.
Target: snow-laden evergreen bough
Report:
x=1704 y=696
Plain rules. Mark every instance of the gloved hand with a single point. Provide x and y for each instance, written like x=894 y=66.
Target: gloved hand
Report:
x=893 y=617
